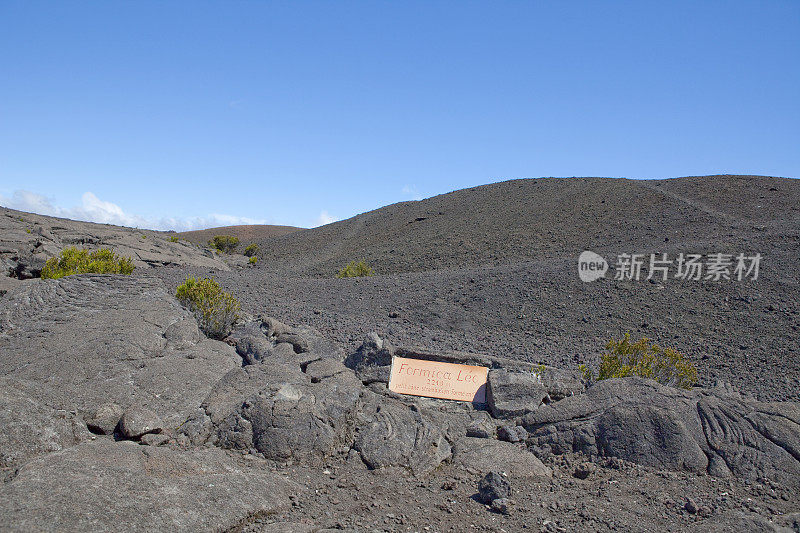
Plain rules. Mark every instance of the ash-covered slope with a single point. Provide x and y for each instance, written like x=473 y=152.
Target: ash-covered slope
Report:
x=535 y=219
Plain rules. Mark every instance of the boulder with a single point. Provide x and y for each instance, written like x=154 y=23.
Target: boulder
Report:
x=702 y=430
x=482 y=426
x=393 y=434
x=104 y=419
x=278 y=411
x=138 y=421
x=373 y=359
x=513 y=394
x=493 y=486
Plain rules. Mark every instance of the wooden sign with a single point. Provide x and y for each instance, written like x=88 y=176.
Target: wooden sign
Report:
x=438 y=380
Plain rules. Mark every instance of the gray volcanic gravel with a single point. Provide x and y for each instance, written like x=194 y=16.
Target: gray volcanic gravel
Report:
x=529 y=302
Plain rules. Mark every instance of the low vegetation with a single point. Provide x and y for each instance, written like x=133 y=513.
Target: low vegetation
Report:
x=253 y=260
x=355 y=270
x=251 y=250
x=216 y=310
x=224 y=244
x=80 y=261
x=624 y=358
x=174 y=239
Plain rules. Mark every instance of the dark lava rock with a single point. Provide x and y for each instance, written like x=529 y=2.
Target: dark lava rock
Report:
x=500 y=505
x=373 y=352
x=511 y=433
x=513 y=394
x=30 y=428
x=106 y=338
x=278 y=411
x=493 y=486
x=584 y=470
x=394 y=434
x=482 y=427
x=700 y=430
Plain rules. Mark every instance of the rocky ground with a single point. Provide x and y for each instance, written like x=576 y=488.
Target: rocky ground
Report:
x=116 y=409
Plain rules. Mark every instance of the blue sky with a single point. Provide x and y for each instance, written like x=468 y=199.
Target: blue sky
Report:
x=190 y=114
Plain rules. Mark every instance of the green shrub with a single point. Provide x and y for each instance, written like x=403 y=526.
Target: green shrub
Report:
x=665 y=365
x=174 y=239
x=355 y=270
x=224 y=243
x=216 y=310
x=80 y=261
x=252 y=260
x=251 y=250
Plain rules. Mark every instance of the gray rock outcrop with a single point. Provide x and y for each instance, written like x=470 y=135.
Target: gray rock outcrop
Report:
x=28 y=240
x=102 y=485
x=699 y=430
x=82 y=342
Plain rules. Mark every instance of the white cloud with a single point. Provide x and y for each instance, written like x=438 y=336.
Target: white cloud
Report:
x=411 y=190
x=93 y=209
x=324 y=218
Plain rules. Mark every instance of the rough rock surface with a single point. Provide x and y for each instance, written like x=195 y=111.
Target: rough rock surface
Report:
x=512 y=394
x=703 y=430
x=493 y=486
x=393 y=434
x=29 y=428
x=138 y=421
x=101 y=485
x=78 y=343
x=104 y=419
x=27 y=241
x=484 y=455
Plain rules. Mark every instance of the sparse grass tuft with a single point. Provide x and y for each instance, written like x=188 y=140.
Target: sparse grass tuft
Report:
x=641 y=358
x=251 y=250
x=224 y=244
x=174 y=239
x=216 y=310
x=253 y=260
x=355 y=270
x=80 y=261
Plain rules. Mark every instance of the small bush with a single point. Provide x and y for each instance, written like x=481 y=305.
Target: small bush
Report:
x=665 y=365
x=216 y=310
x=251 y=250
x=355 y=270
x=253 y=260
x=79 y=261
x=224 y=244
x=174 y=239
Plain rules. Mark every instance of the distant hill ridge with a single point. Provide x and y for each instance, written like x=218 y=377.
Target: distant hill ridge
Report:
x=545 y=218
x=245 y=233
